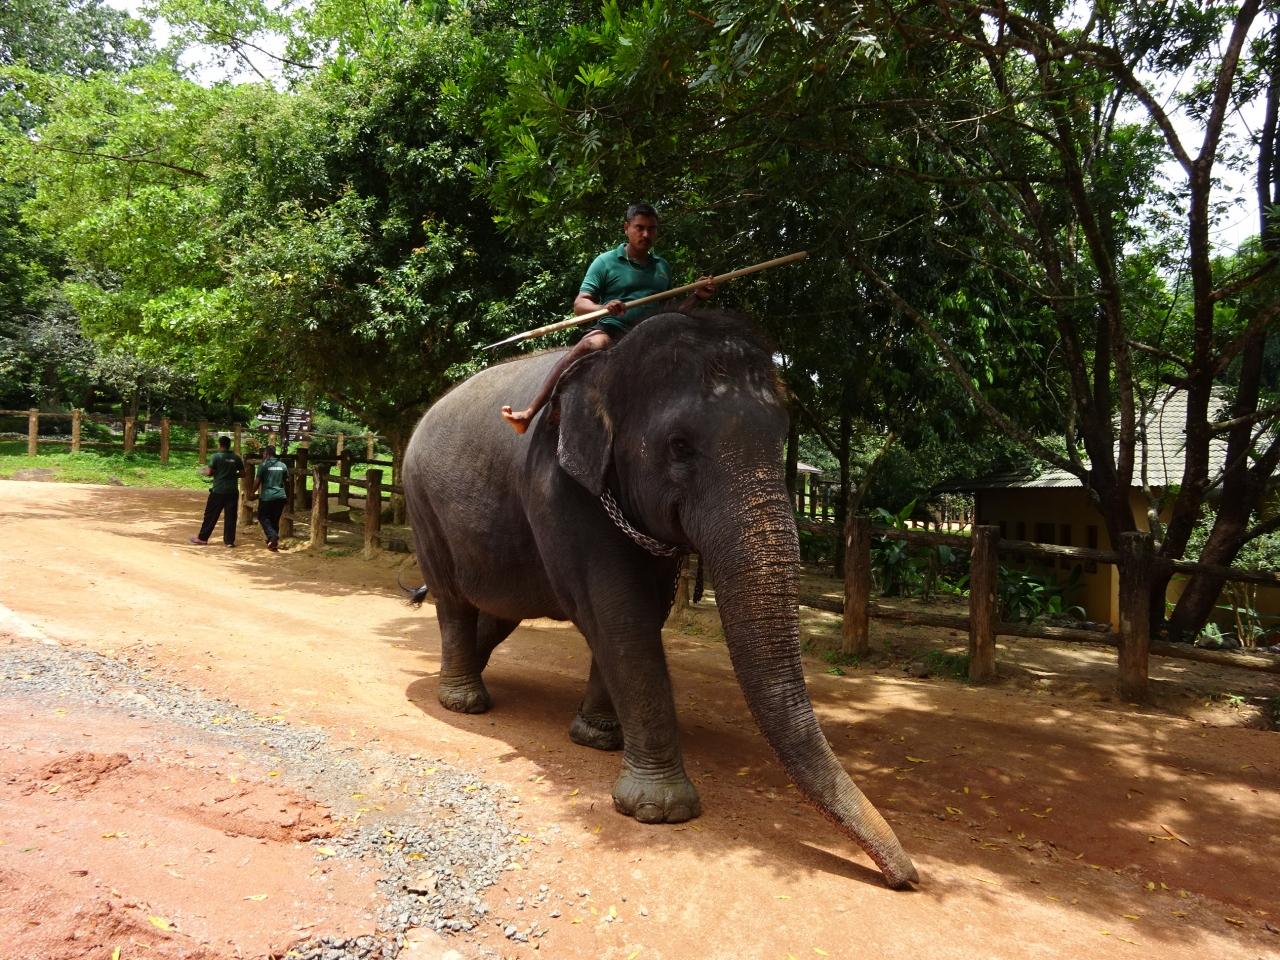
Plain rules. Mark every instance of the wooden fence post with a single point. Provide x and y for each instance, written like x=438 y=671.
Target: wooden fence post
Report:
x=684 y=585
x=854 y=631
x=128 y=434
x=286 y=519
x=372 y=513
x=342 y=443
x=1136 y=563
x=235 y=443
x=75 y=429
x=204 y=441
x=300 y=459
x=983 y=610
x=246 y=488
x=368 y=445
x=320 y=504
x=344 y=471
x=33 y=431
x=164 y=439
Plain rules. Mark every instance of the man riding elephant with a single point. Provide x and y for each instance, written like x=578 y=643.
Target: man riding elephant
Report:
x=625 y=273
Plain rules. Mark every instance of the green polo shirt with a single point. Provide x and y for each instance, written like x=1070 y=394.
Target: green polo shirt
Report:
x=272 y=477
x=614 y=276
x=226 y=467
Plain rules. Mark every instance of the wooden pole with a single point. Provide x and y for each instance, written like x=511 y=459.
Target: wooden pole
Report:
x=75 y=429
x=33 y=431
x=983 y=615
x=286 y=519
x=164 y=439
x=319 y=504
x=128 y=434
x=372 y=513
x=1136 y=563
x=204 y=441
x=344 y=471
x=235 y=443
x=854 y=631
x=368 y=445
x=301 y=456
x=342 y=443
x=246 y=488
x=585 y=318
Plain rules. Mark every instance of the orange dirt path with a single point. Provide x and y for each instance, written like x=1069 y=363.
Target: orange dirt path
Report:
x=1042 y=826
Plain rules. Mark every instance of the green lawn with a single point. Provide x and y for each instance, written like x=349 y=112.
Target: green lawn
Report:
x=137 y=469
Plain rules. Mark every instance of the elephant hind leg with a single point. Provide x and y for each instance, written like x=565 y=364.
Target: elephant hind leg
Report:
x=491 y=631
x=596 y=724
x=461 y=689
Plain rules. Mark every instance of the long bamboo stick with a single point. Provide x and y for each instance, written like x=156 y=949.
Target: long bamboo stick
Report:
x=586 y=318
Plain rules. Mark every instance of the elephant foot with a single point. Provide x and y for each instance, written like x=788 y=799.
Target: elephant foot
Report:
x=599 y=733
x=669 y=799
x=464 y=696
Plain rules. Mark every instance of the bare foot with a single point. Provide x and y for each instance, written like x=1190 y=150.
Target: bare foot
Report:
x=519 y=421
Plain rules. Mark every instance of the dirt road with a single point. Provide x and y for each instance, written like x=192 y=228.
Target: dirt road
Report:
x=1042 y=825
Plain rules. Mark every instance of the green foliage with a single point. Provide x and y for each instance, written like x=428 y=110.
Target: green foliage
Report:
x=1025 y=597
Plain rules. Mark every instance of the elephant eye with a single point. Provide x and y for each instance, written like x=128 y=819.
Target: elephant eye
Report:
x=681 y=448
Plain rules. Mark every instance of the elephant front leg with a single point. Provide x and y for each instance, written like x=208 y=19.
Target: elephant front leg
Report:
x=596 y=724
x=653 y=786
x=461 y=689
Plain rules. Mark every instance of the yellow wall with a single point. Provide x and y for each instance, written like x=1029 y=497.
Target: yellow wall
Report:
x=1099 y=590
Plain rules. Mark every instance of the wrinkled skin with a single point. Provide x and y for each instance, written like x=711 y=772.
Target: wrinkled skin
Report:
x=683 y=423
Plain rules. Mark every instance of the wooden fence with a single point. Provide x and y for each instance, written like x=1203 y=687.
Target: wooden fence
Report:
x=130 y=426
x=315 y=501
x=1135 y=558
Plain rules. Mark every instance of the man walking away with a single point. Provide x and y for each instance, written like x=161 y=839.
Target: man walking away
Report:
x=224 y=494
x=273 y=487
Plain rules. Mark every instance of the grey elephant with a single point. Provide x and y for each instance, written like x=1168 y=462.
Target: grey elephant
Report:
x=668 y=442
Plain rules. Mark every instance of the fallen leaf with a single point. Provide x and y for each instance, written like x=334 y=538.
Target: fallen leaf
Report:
x=1130 y=916
x=54 y=788
x=820 y=952
x=782 y=896
x=327 y=852
x=160 y=923
x=1174 y=835
x=1238 y=923
x=574 y=792
x=633 y=954
x=115 y=954
x=744 y=771
x=913 y=760
x=256 y=896
x=954 y=811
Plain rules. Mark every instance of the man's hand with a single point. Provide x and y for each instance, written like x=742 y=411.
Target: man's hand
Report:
x=616 y=307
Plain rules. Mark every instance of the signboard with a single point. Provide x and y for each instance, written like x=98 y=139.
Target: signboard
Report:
x=295 y=419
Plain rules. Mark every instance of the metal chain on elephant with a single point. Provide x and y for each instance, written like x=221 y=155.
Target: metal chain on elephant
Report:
x=656 y=547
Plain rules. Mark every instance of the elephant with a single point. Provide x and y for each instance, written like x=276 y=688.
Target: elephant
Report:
x=668 y=442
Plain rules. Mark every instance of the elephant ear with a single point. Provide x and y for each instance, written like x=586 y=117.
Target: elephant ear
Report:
x=585 y=447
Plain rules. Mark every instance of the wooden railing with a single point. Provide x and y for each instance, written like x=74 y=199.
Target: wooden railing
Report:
x=1135 y=558
x=130 y=427
x=314 y=501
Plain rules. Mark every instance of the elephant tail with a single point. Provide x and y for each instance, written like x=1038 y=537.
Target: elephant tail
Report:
x=416 y=595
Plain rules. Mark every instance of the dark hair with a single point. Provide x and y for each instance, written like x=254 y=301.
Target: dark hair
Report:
x=224 y=442
x=268 y=452
x=641 y=210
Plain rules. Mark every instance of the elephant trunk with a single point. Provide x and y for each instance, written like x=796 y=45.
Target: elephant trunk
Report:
x=754 y=557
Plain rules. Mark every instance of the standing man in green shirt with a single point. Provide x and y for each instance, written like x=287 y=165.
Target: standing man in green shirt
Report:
x=224 y=494
x=628 y=272
x=273 y=486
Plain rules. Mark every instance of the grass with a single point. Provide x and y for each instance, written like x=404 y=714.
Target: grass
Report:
x=136 y=469
x=954 y=666
x=141 y=468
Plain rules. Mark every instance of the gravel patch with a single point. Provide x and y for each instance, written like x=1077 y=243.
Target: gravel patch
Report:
x=445 y=842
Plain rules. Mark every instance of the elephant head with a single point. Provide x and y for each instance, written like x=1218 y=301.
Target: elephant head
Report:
x=684 y=421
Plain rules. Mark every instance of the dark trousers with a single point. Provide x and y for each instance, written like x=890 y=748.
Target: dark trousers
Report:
x=269 y=516
x=219 y=503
